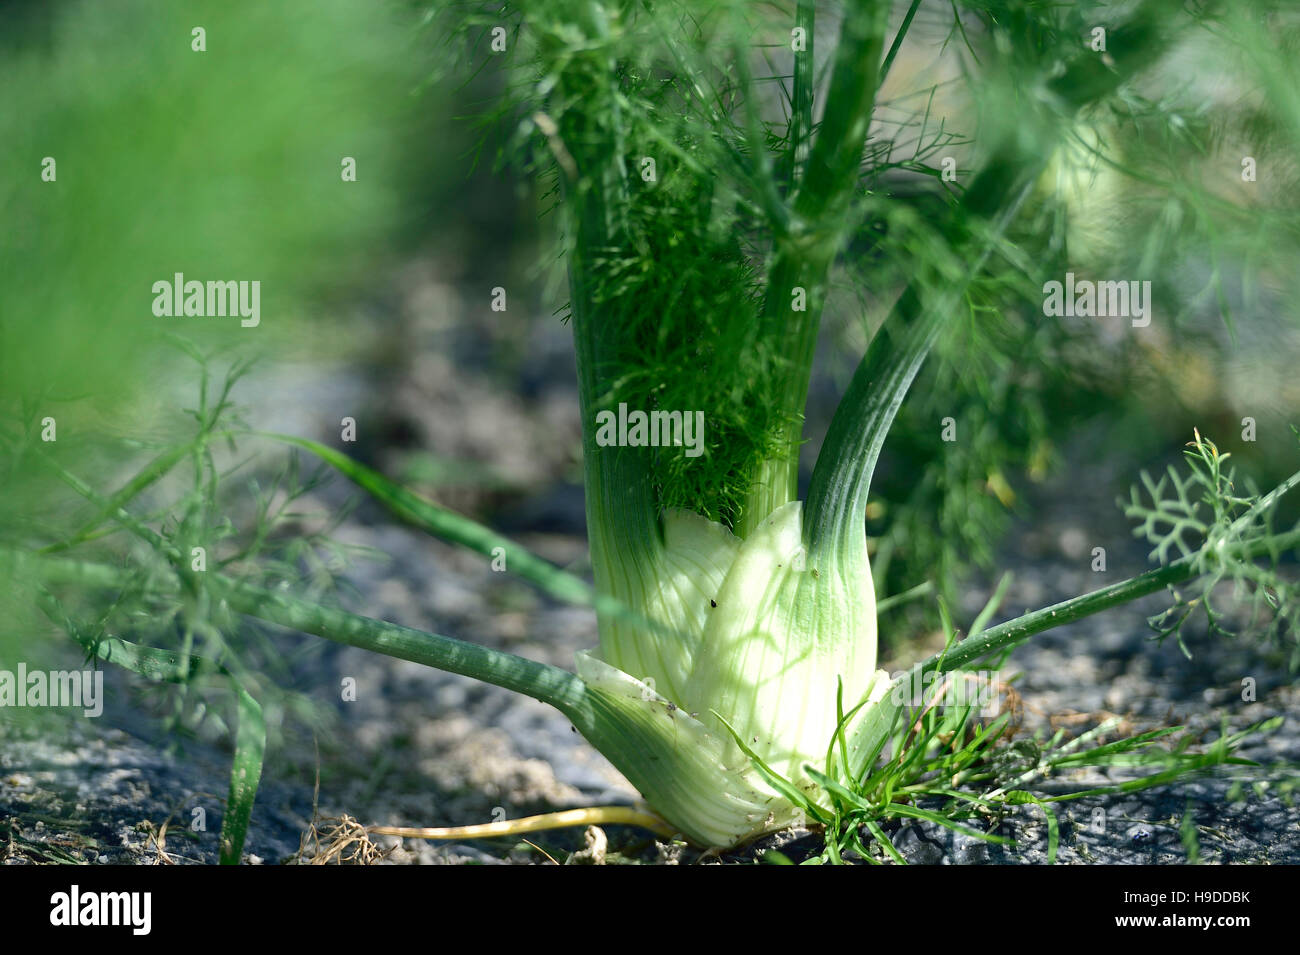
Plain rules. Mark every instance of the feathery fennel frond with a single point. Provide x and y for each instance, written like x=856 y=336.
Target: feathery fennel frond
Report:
x=1202 y=516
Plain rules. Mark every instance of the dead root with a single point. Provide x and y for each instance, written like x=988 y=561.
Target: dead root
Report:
x=342 y=841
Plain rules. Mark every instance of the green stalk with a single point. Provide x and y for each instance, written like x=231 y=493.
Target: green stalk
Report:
x=898 y=39
x=801 y=99
x=1012 y=633
x=623 y=529
x=837 y=496
x=540 y=681
x=836 y=155
x=549 y=684
x=803 y=256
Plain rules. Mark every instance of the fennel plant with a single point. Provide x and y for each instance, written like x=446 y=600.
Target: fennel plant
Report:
x=735 y=683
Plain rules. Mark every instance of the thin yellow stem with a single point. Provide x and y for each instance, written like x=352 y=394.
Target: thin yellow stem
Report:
x=594 y=816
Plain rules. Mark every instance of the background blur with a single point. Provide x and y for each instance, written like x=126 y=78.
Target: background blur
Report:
x=376 y=305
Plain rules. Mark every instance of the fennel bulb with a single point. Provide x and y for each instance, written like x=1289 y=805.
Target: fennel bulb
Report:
x=766 y=640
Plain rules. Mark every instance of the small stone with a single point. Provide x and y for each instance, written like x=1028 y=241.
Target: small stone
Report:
x=918 y=847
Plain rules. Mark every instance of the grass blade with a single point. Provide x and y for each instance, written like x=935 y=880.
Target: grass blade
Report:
x=458 y=529
x=245 y=775
x=885 y=842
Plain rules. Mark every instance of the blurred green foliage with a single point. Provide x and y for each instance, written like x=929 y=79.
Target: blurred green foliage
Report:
x=222 y=165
